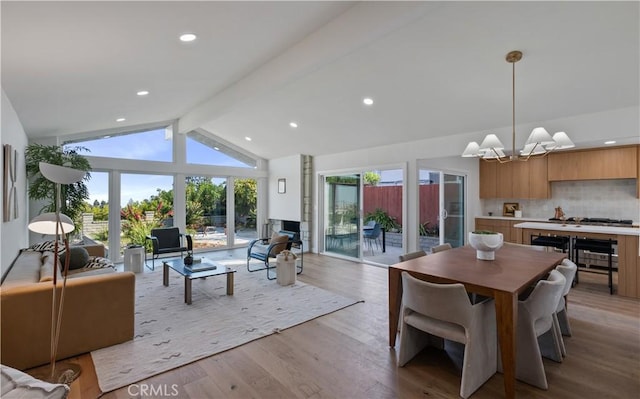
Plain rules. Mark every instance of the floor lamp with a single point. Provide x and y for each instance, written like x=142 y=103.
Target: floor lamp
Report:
x=58 y=224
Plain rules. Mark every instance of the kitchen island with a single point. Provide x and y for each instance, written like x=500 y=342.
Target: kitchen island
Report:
x=628 y=239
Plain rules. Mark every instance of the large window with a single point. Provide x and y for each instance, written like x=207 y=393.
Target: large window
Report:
x=206 y=203
x=136 y=185
x=206 y=150
x=95 y=219
x=146 y=202
x=149 y=145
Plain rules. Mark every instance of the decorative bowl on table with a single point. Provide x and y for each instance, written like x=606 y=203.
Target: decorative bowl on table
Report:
x=486 y=243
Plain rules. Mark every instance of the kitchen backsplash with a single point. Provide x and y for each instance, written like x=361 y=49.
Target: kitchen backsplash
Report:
x=615 y=199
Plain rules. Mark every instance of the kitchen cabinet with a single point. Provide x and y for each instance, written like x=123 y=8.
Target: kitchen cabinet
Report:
x=538 y=182
x=510 y=233
x=638 y=178
x=594 y=164
x=488 y=179
x=526 y=179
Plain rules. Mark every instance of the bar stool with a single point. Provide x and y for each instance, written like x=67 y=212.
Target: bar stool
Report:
x=560 y=242
x=598 y=246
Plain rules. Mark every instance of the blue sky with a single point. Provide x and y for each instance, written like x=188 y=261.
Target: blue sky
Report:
x=150 y=145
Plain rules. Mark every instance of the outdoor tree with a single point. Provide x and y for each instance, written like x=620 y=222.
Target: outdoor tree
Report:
x=371 y=178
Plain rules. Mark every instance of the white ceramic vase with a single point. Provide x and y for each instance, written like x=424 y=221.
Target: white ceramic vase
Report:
x=486 y=245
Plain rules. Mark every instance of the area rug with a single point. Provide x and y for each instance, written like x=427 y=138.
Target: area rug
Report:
x=170 y=333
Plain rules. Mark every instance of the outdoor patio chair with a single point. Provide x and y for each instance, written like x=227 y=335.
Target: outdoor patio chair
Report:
x=371 y=235
x=166 y=241
x=265 y=249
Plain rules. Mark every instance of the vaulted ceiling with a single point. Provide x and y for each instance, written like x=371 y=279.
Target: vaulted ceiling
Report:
x=433 y=69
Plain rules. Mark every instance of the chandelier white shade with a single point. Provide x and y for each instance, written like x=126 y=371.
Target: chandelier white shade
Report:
x=539 y=143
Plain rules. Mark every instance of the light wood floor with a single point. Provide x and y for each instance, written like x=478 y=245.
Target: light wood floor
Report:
x=346 y=355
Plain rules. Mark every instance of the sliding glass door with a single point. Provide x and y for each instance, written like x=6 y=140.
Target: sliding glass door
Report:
x=453 y=209
x=342 y=215
x=442 y=208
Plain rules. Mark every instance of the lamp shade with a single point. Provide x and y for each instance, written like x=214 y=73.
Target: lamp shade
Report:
x=540 y=135
x=494 y=154
x=532 y=149
x=491 y=141
x=472 y=150
x=562 y=141
x=60 y=174
x=45 y=223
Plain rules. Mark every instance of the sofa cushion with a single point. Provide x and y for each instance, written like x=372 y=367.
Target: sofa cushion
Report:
x=48 y=246
x=78 y=257
x=25 y=269
x=278 y=239
x=46 y=270
x=16 y=384
x=98 y=262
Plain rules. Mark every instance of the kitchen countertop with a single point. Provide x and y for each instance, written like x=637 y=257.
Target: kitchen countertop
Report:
x=512 y=218
x=575 y=230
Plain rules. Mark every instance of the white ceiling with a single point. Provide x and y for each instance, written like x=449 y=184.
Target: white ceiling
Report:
x=433 y=68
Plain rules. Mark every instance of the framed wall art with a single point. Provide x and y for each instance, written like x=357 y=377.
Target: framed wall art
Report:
x=10 y=175
x=282 y=186
x=510 y=208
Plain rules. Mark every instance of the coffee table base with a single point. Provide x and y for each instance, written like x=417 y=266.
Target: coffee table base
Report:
x=187 y=282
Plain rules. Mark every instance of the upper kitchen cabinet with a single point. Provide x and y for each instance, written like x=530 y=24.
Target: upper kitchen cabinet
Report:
x=518 y=179
x=594 y=164
x=488 y=179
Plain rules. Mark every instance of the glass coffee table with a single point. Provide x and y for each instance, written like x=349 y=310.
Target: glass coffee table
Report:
x=203 y=269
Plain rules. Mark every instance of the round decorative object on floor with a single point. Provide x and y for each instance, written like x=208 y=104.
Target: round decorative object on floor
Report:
x=485 y=243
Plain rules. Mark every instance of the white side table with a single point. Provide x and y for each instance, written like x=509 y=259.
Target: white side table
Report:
x=134 y=259
x=286 y=270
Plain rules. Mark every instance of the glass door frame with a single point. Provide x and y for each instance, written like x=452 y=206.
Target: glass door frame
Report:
x=442 y=209
x=446 y=211
x=321 y=197
x=323 y=225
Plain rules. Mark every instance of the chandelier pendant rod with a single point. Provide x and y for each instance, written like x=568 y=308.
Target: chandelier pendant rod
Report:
x=513 y=111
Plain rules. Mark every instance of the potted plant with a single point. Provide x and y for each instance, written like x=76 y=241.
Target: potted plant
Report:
x=383 y=219
x=42 y=189
x=485 y=243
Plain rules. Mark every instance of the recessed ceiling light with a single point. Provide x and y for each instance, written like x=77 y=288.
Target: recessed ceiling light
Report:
x=187 y=37
x=120 y=120
x=216 y=148
x=293 y=124
x=610 y=142
x=143 y=92
x=367 y=101
x=106 y=137
x=247 y=138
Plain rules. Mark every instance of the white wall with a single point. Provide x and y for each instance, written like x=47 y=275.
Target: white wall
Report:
x=287 y=206
x=14 y=234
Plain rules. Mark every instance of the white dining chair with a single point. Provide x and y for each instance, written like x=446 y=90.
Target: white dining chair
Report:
x=441 y=247
x=412 y=255
x=560 y=317
x=535 y=320
x=433 y=312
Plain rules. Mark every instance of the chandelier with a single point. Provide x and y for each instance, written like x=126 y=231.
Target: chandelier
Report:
x=539 y=143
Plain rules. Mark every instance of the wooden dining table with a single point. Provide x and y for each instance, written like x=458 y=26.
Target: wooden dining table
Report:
x=514 y=269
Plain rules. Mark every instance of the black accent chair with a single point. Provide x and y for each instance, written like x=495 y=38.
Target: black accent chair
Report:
x=264 y=249
x=166 y=241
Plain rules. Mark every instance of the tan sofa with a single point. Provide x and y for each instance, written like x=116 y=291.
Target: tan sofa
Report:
x=98 y=310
